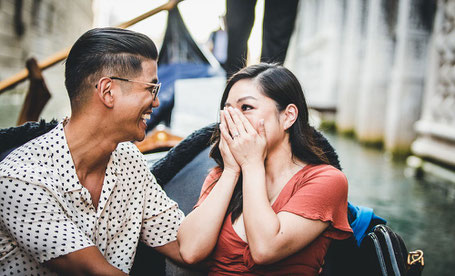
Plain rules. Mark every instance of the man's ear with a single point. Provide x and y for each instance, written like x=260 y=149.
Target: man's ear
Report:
x=290 y=116
x=104 y=92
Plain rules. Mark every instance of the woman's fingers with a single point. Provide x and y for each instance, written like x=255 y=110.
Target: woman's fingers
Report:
x=225 y=134
x=261 y=129
x=229 y=160
x=240 y=118
x=230 y=124
x=237 y=121
x=222 y=119
x=248 y=146
x=222 y=145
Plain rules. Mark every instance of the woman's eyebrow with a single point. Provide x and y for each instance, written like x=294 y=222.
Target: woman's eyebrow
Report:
x=242 y=99
x=246 y=98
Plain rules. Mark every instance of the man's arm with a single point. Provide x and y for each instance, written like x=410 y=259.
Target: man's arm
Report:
x=87 y=261
x=34 y=212
x=162 y=219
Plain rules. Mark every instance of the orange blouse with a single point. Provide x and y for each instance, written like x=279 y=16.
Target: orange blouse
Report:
x=317 y=192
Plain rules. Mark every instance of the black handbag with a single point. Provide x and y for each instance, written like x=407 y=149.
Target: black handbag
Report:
x=383 y=253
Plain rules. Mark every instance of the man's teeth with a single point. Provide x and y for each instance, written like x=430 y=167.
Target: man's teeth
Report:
x=145 y=116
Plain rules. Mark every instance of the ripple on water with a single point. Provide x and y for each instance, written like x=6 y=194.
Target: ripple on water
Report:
x=422 y=212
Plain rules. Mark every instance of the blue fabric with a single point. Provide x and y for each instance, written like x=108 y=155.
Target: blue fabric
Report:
x=363 y=216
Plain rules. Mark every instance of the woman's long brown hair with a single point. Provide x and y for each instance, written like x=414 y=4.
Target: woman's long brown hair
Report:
x=279 y=84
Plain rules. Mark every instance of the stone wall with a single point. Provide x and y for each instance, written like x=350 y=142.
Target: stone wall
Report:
x=408 y=74
x=314 y=53
x=436 y=127
x=368 y=63
x=38 y=28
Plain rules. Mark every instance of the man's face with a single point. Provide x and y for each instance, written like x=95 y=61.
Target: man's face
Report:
x=135 y=102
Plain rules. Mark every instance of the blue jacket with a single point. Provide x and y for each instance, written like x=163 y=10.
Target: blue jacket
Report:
x=362 y=219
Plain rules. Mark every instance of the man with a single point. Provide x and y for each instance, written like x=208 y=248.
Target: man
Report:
x=278 y=25
x=77 y=199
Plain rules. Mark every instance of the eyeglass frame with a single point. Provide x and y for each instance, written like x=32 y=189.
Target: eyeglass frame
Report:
x=154 y=92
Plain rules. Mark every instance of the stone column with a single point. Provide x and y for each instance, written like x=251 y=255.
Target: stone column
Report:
x=436 y=128
x=301 y=55
x=351 y=56
x=304 y=31
x=405 y=93
x=315 y=50
x=375 y=77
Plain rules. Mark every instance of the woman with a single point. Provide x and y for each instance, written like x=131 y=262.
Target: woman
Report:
x=273 y=204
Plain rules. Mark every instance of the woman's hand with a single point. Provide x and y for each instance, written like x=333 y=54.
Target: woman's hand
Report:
x=247 y=145
x=228 y=159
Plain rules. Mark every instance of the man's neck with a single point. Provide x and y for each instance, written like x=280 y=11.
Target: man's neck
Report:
x=89 y=145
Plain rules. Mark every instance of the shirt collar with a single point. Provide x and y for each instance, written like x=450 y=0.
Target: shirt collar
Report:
x=62 y=159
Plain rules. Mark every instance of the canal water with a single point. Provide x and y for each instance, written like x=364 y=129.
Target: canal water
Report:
x=423 y=213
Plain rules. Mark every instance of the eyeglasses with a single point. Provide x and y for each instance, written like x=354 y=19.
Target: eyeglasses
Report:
x=154 y=88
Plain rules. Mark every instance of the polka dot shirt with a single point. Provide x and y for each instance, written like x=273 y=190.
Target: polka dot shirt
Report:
x=45 y=212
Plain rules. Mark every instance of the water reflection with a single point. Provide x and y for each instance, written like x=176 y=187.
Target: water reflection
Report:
x=421 y=212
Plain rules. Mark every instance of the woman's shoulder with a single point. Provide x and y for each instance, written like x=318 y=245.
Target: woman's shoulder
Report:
x=322 y=174
x=321 y=170
x=209 y=183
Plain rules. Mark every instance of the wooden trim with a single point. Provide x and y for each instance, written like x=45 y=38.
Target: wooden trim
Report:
x=37 y=96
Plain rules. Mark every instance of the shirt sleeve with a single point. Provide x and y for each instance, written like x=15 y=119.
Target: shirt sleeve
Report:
x=208 y=185
x=323 y=197
x=162 y=216
x=35 y=220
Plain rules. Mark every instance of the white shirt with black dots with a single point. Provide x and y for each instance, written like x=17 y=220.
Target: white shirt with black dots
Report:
x=45 y=212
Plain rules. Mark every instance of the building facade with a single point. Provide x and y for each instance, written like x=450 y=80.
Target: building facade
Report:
x=386 y=67
x=38 y=28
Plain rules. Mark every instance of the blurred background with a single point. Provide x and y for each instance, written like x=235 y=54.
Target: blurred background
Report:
x=379 y=76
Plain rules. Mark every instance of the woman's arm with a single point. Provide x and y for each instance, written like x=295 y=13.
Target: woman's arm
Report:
x=272 y=237
x=198 y=233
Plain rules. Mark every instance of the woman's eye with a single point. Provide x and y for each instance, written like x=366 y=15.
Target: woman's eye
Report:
x=246 y=107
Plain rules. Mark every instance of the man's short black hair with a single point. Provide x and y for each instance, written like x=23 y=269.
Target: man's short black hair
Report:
x=105 y=52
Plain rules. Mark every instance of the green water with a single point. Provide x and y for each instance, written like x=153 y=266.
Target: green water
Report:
x=423 y=213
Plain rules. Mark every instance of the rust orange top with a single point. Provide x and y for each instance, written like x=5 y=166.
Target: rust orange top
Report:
x=317 y=192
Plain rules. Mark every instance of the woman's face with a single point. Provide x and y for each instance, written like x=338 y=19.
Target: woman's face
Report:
x=246 y=96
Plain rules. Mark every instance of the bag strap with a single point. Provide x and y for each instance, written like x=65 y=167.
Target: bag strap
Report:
x=387 y=232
